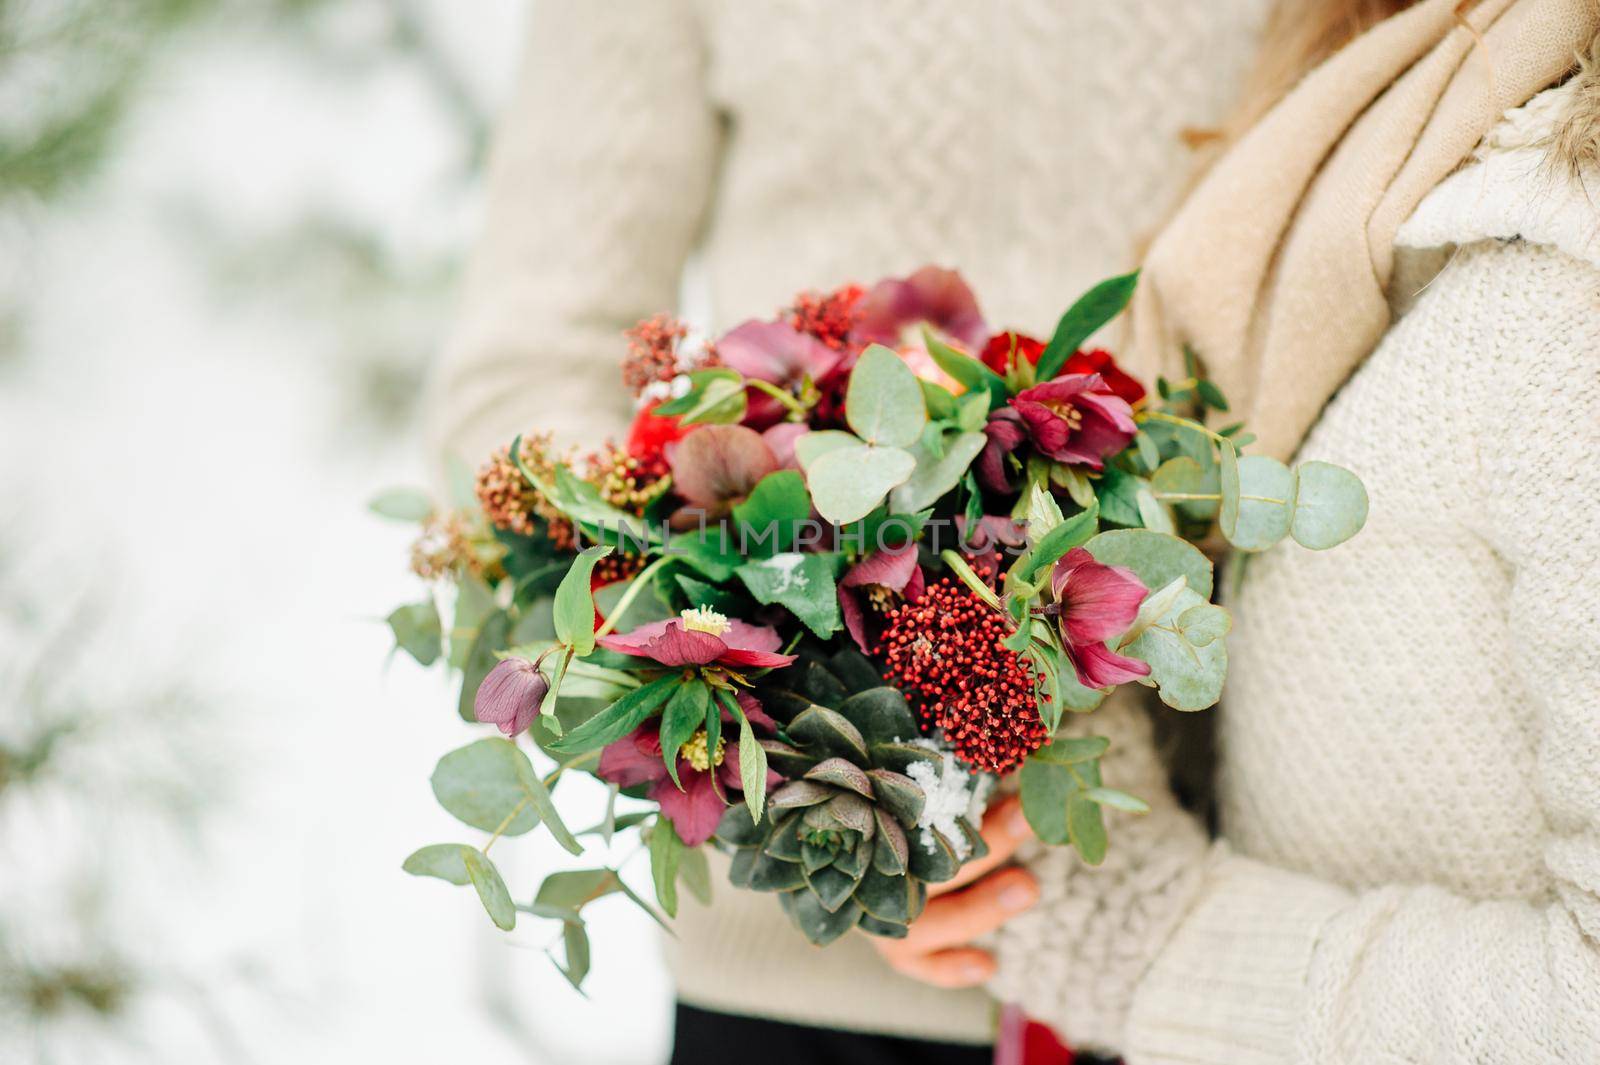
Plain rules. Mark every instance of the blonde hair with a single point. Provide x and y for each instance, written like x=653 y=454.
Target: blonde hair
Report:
x=1300 y=34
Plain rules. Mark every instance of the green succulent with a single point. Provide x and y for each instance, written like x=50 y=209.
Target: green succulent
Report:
x=839 y=842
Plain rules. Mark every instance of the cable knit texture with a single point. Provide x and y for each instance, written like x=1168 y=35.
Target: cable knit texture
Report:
x=799 y=144
x=1410 y=737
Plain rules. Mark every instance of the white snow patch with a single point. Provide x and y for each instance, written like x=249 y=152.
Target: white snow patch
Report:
x=790 y=579
x=952 y=795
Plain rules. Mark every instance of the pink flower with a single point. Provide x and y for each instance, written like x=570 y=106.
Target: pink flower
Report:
x=1095 y=603
x=779 y=354
x=702 y=637
x=1004 y=433
x=511 y=695
x=892 y=310
x=882 y=579
x=1076 y=419
x=696 y=808
x=715 y=467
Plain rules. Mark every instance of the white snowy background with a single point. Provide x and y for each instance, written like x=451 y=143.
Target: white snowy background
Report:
x=211 y=341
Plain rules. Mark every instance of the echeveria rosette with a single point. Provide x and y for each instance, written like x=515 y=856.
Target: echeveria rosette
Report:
x=1076 y=419
x=510 y=695
x=876 y=582
x=702 y=638
x=779 y=354
x=1094 y=603
x=706 y=776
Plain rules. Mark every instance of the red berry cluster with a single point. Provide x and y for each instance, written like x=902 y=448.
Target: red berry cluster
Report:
x=652 y=351
x=827 y=316
x=944 y=653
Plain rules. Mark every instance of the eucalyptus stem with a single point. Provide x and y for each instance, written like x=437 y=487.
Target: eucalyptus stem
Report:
x=1187 y=423
x=630 y=595
x=779 y=394
x=501 y=828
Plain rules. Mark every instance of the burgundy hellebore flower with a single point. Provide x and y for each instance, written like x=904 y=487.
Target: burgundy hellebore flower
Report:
x=1097 y=602
x=1005 y=432
x=715 y=467
x=1076 y=419
x=881 y=579
x=696 y=808
x=932 y=296
x=779 y=354
x=702 y=637
x=511 y=695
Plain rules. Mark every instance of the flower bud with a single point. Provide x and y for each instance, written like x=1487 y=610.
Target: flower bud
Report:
x=511 y=695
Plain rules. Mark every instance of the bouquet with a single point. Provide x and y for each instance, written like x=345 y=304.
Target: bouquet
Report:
x=844 y=577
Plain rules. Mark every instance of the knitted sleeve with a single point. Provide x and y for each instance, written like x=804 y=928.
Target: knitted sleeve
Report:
x=601 y=174
x=1270 y=966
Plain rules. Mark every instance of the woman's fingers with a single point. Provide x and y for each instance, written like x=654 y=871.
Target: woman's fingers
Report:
x=960 y=967
x=1004 y=828
x=955 y=920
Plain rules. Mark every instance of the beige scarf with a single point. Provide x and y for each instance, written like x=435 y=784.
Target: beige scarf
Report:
x=1274 y=271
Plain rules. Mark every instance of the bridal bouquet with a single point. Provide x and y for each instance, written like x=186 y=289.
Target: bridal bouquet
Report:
x=847 y=572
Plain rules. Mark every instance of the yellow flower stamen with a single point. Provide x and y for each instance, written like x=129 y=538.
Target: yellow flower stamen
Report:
x=704 y=619
x=697 y=752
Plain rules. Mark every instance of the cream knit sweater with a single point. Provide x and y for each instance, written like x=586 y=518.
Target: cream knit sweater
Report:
x=799 y=144
x=1410 y=736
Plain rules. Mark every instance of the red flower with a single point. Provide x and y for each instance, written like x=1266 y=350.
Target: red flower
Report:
x=894 y=309
x=1096 y=602
x=779 y=354
x=1117 y=380
x=997 y=352
x=650 y=433
x=1076 y=419
x=702 y=637
x=880 y=580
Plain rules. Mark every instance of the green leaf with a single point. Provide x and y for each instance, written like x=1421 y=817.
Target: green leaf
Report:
x=971 y=374
x=1228 y=483
x=1046 y=788
x=804 y=584
x=1086 y=829
x=716 y=395
x=574 y=607
x=883 y=402
x=1118 y=494
x=1044 y=513
x=694 y=871
x=1203 y=624
x=493 y=636
x=402 y=504
x=1071 y=750
x=937 y=475
x=1152 y=515
x=474 y=603
x=752 y=760
x=618 y=719
x=575 y=942
x=1157 y=605
x=684 y=716
x=1266 y=503
x=491 y=889
x=479 y=785
x=539 y=795
x=1182 y=477
x=710 y=551
x=1211 y=395
x=441 y=860
x=1187 y=676
x=573 y=889
x=1094 y=309
x=1117 y=800
x=1073 y=532
x=770 y=517
x=812 y=446
x=417 y=631
x=847 y=483
x=666 y=851
x=1330 y=505
x=1154 y=557
x=941 y=403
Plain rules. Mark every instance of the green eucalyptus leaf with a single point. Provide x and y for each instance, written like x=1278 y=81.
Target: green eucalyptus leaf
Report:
x=479 y=785
x=402 y=504
x=1157 y=605
x=883 y=402
x=937 y=475
x=812 y=446
x=666 y=852
x=1046 y=788
x=848 y=482
x=1266 y=504
x=1086 y=829
x=1182 y=477
x=1092 y=310
x=441 y=860
x=493 y=635
x=1154 y=557
x=1203 y=624
x=1072 y=750
x=491 y=889
x=1152 y=515
x=1117 y=800
x=1330 y=505
x=1187 y=676
x=575 y=943
x=417 y=631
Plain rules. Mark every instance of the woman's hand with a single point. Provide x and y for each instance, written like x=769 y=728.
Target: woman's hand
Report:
x=980 y=899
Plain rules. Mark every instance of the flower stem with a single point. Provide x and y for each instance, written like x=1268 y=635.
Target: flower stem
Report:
x=779 y=394
x=1187 y=423
x=630 y=595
